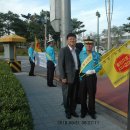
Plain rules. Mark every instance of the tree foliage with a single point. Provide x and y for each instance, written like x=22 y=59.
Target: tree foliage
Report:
x=11 y=23
x=116 y=34
x=33 y=24
x=77 y=26
x=127 y=26
x=115 y=31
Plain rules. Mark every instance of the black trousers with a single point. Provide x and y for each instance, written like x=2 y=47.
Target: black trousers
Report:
x=50 y=72
x=69 y=92
x=88 y=89
x=31 y=72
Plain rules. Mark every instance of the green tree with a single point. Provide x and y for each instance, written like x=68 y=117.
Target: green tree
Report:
x=36 y=25
x=77 y=26
x=117 y=33
x=19 y=27
x=127 y=26
x=33 y=24
x=10 y=22
x=104 y=33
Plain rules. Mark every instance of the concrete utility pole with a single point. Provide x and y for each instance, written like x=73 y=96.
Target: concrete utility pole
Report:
x=109 y=12
x=45 y=33
x=65 y=20
x=109 y=27
x=98 y=16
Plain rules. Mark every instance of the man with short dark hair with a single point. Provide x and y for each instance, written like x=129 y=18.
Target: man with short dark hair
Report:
x=68 y=63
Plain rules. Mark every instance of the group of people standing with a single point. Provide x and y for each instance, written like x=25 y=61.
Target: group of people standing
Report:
x=77 y=70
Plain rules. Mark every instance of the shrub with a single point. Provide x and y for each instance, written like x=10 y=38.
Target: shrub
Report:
x=14 y=109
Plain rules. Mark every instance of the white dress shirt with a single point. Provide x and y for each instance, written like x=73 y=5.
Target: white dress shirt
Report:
x=74 y=57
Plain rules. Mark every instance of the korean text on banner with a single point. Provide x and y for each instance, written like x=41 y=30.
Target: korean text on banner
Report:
x=40 y=59
x=117 y=64
x=102 y=71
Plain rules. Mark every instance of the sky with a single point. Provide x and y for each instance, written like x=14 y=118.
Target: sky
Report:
x=83 y=10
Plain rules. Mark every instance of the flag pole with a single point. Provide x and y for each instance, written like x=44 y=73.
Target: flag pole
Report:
x=128 y=118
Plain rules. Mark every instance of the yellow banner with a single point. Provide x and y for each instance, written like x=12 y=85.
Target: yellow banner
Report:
x=102 y=71
x=117 y=64
x=85 y=62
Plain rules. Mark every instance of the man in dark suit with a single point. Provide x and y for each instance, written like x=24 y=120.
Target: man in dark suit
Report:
x=68 y=63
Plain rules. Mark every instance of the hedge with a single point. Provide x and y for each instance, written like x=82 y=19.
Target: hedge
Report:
x=14 y=109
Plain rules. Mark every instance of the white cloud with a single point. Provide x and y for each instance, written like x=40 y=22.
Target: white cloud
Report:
x=22 y=6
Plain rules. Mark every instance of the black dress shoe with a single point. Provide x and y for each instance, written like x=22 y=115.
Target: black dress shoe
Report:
x=68 y=115
x=74 y=114
x=32 y=75
x=82 y=115
x=51 y=85
x=93 y=116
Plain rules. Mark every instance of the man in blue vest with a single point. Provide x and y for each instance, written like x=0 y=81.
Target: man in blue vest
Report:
x=51 y=63
x=31 y=59
x=89 y=67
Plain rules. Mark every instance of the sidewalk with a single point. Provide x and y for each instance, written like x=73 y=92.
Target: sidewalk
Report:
x=48 y=113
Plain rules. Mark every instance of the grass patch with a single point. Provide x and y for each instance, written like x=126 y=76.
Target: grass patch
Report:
x=14 y=109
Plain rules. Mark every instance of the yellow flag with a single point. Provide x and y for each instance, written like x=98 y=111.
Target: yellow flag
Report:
x=102 y=71
x=37 y=45
x=117 y=64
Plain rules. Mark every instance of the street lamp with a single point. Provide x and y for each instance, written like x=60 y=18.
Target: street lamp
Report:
x=45 y=25
x=98 y=16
